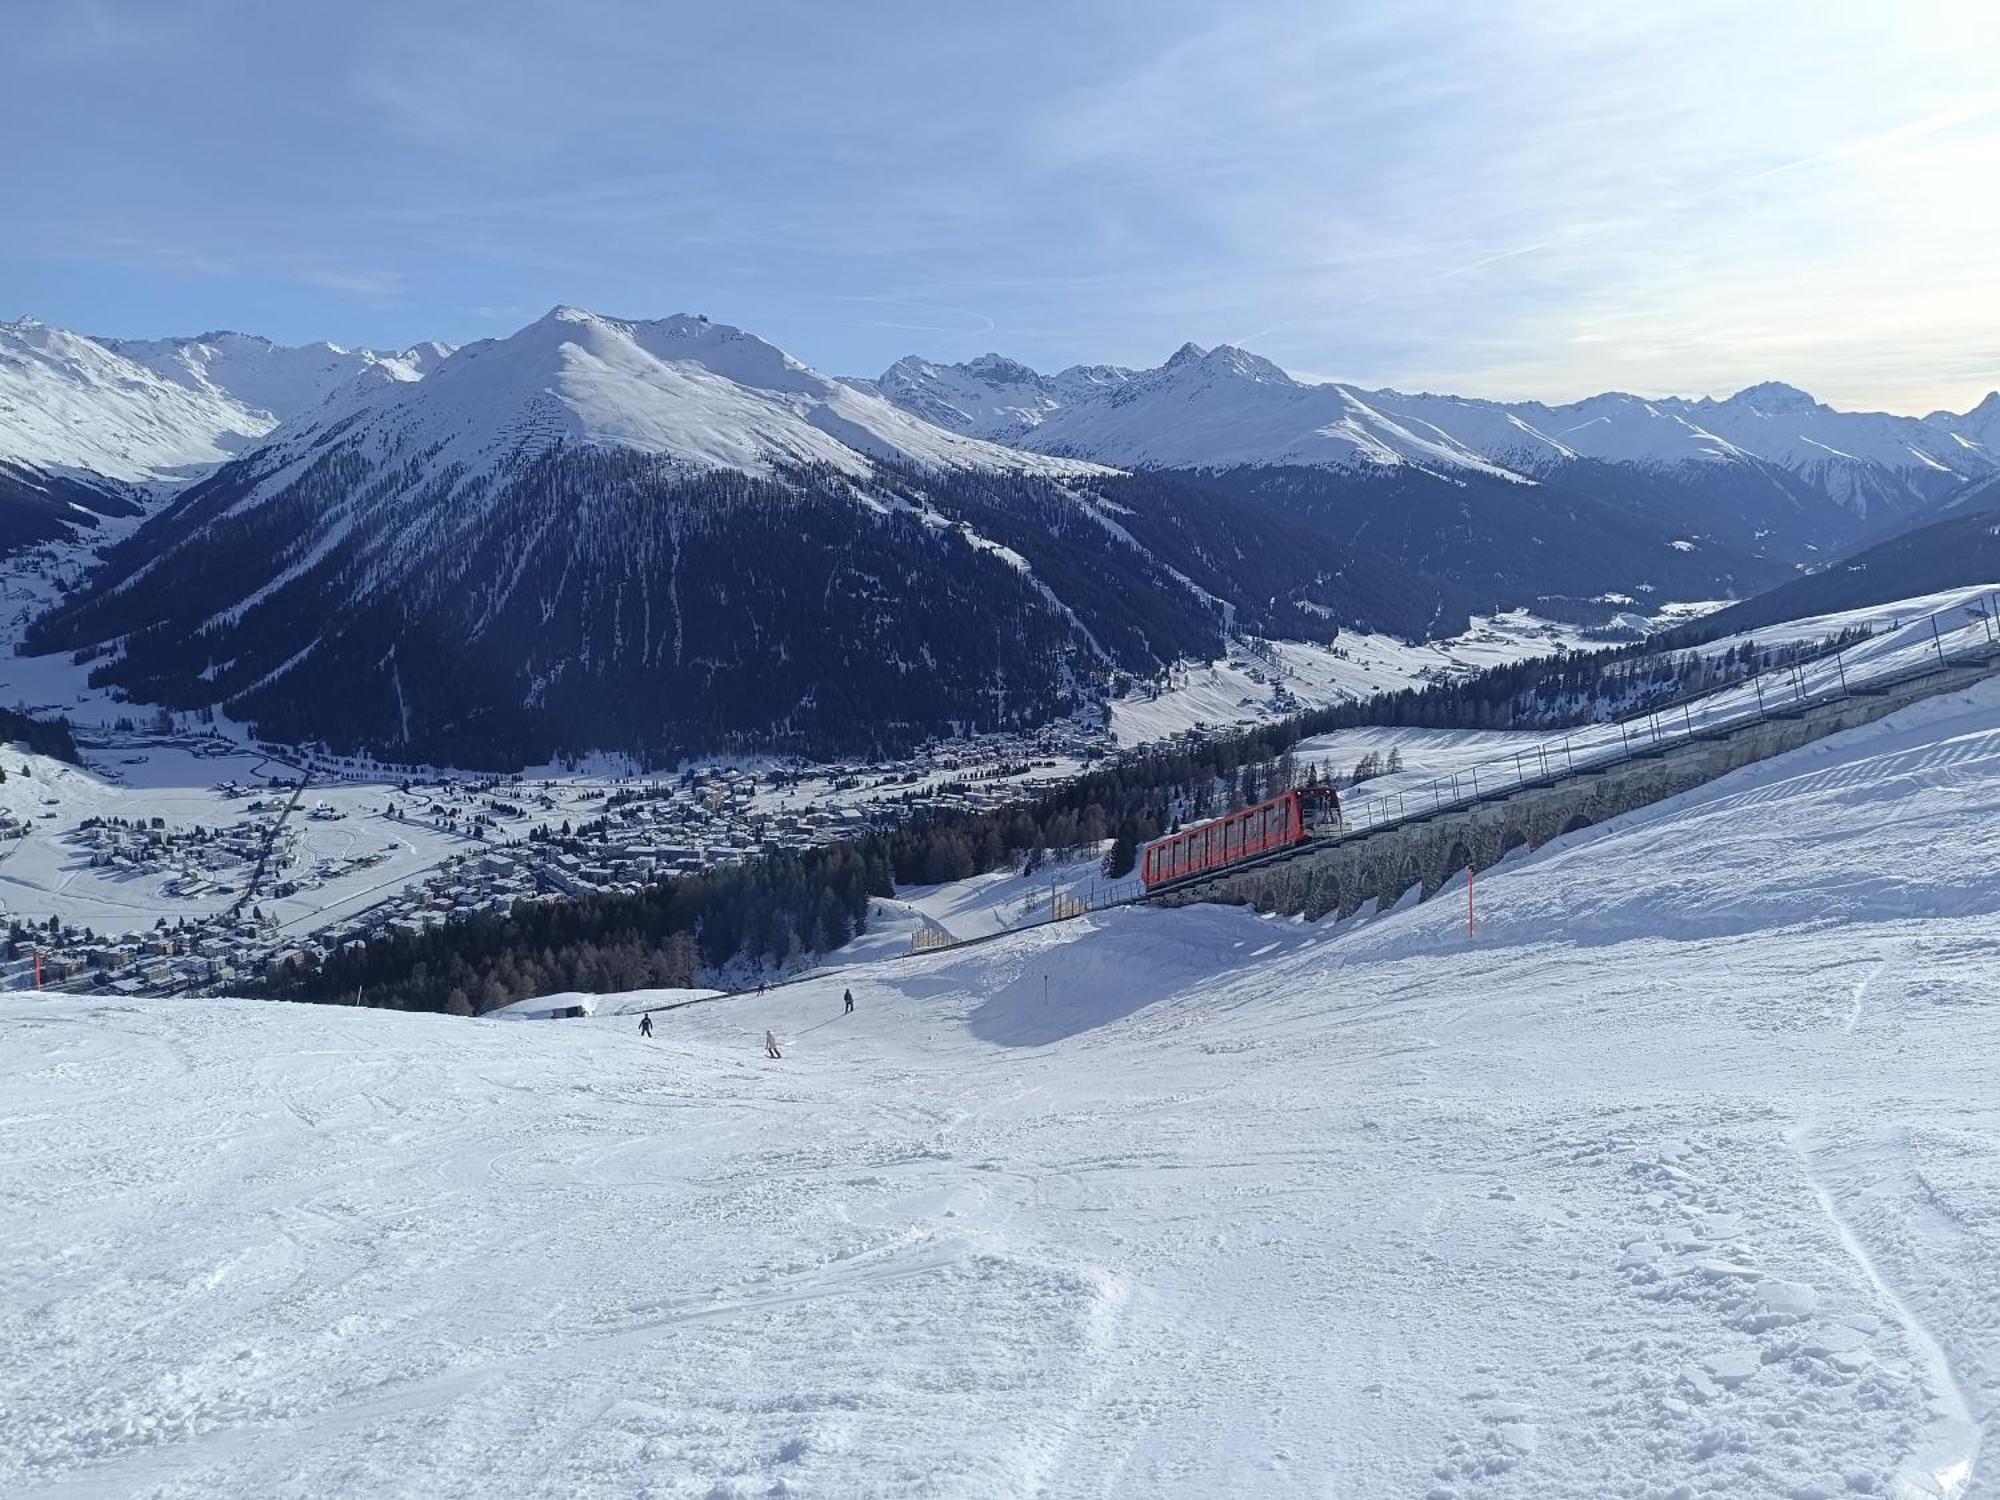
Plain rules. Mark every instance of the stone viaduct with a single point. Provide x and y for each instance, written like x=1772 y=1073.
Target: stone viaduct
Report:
x=1426 y=850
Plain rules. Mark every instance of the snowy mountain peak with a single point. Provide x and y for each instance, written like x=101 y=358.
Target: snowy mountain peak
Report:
x=1225 y=407
x=1772 y=395
x=276 y=381
x=69 y=404
x=1227 y=359
x=702 y=393
x=999 y=367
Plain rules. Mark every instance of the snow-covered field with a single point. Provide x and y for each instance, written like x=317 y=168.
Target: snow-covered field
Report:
x=1240 y=688
x=1680 y=1179
x=981 y=907
x=47 y=874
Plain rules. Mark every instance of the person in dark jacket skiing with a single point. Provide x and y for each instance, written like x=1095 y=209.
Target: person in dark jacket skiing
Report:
x=848 y=996
x=645 y=1025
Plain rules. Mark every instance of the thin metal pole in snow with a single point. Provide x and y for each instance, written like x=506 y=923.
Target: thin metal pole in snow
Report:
x=1471 y=918
x=1936 y=642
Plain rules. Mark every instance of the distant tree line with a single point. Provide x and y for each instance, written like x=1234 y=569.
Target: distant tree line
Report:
x=770 y=911
x=1570 y=689
x=51 y=737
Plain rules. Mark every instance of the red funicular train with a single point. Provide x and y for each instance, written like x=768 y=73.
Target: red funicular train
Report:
x=1308 y=813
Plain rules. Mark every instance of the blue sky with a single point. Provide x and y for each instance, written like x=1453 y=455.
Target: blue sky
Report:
x=1517 y=199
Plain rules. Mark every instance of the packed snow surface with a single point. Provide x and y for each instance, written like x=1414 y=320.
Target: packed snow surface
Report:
x=1680 y=1178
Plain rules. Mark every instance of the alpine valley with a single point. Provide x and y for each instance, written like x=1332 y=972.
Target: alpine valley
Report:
x=668 y=537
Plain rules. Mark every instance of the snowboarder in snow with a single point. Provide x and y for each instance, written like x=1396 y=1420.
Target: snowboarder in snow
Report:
x=645 y=1025
x=771 y=1046
x=848 y=996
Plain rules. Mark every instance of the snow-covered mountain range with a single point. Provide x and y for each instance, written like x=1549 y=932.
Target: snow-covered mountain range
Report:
x=701 y=394
x=1225 y=408
x=163 y=411
x=277 y=380
x=669 y=535
x=662 y=535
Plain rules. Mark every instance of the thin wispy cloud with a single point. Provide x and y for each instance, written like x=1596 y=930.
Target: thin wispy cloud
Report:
x=372 y=288
x=1544 y=198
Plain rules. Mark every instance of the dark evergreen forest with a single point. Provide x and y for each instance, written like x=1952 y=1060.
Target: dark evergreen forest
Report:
x=604 y=600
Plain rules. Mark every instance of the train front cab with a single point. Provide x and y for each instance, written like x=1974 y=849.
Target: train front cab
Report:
x=1319 y=811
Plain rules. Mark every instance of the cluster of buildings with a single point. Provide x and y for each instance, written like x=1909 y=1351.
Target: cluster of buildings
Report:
x=201 y=860
x=506 y=840
x=212 y=953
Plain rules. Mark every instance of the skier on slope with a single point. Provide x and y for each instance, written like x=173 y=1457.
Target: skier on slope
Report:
x=771 y=1046
x=645 y=1025
x=848 y=996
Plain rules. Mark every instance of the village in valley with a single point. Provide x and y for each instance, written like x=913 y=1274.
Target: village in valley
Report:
x=167 y=889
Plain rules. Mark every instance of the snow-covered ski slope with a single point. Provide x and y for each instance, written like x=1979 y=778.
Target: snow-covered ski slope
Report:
x=1681 y=1178
x=1440 y=768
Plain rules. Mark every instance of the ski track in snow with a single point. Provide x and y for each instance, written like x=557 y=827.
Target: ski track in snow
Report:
x=1632 y=1195
x=1943 y=1459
